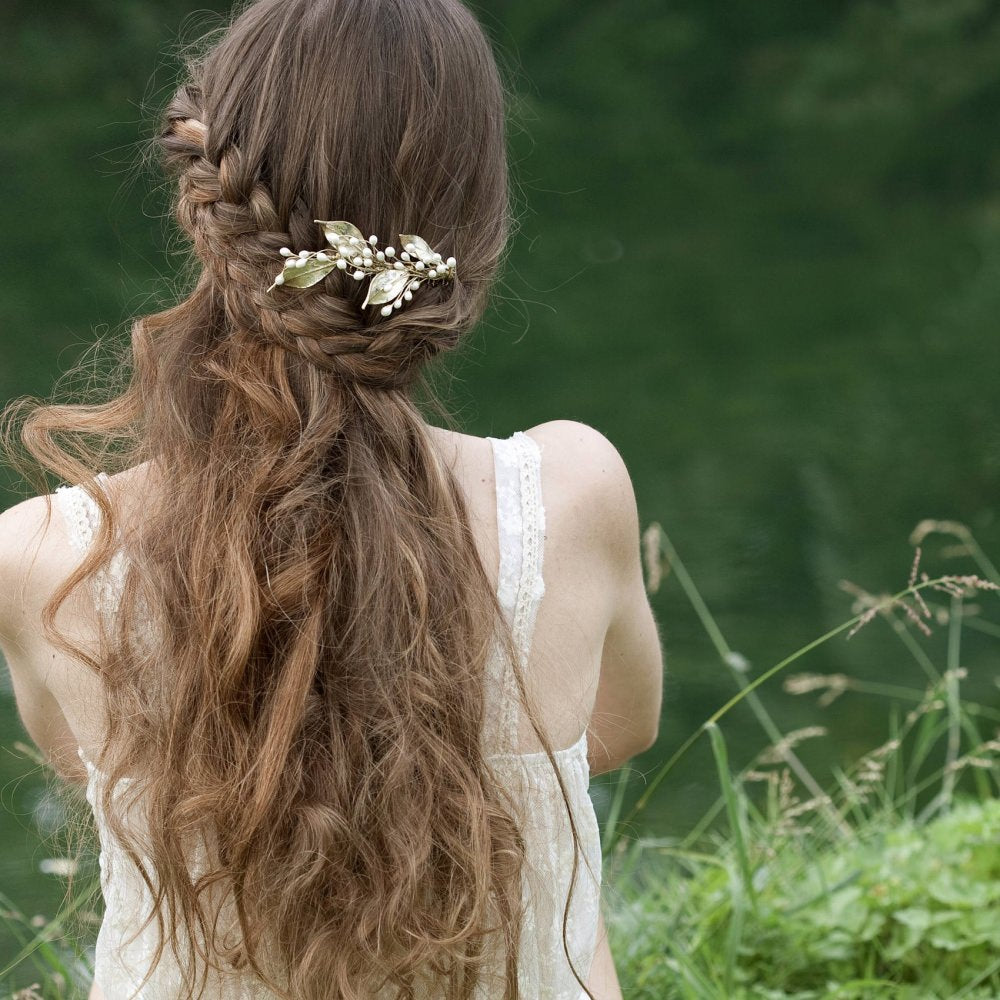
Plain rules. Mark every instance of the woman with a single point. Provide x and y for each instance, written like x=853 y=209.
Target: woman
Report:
x=295 y=647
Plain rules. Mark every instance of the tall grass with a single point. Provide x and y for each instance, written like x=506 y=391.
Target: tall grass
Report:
x=876 y=880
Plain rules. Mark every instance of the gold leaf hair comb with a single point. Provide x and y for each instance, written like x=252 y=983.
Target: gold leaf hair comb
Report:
x=395 y=277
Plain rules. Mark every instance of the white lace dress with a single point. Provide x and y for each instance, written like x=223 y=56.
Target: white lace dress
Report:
x=544 y=972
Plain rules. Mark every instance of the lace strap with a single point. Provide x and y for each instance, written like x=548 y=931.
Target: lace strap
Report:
x=521 y=530
x=506 y=471
x=83 y=521
x=81 y=515
x=532 y=586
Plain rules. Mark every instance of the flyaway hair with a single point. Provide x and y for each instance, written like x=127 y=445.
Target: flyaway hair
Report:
x=295 y=670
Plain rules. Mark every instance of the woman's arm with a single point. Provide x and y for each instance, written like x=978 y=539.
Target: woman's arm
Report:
x=31 y=568
x=603 y=979
x=626 y=716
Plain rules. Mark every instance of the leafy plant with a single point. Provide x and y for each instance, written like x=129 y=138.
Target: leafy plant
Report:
x=849 y=891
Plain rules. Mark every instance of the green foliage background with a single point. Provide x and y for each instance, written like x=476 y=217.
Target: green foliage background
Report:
x=759 y=249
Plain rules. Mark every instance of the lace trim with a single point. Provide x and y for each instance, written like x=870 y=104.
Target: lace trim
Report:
x=520 y=528
x=530 y=586
x=509 y=515
x=508 y=681
x=83 y=520
x=78 y=524
x=533 y=538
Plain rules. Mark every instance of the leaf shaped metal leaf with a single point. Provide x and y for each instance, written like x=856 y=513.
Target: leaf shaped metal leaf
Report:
x=386 y=286
x=309 y=274
x=343 y=230
x=423 y=251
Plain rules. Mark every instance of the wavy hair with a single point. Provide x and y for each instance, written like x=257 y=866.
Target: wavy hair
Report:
x=295 y=669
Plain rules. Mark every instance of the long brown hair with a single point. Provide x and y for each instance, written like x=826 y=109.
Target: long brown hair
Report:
x=296 y=665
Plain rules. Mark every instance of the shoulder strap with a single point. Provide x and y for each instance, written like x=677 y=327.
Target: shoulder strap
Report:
x=507 y=476
x=83 y=520
x=80 y=514
x=531 y=586
x=521 y=530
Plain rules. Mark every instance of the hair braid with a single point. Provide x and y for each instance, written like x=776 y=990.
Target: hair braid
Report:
x=231 y=218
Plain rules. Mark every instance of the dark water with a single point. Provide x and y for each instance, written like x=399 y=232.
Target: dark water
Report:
x=759 y=250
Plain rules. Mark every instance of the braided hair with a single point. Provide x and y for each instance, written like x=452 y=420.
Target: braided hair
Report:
x=231 y=217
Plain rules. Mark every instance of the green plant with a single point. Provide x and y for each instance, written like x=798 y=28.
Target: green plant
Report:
x=854 y=890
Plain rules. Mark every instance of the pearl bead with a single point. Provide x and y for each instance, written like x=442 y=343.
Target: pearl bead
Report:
x=405 y=255
x=353 y=241
x=285 y=252
x=380 y=255
x=280 y=280
x=322 y=256
x=385 y=310
x=358 y=275
x=419 y=265
x=399 y=266
x=432 y=273
x=407 y=295
x=373 y=240
x=411 y=248
x=342 y=264
x=390 y=251
x=451 y=261
x=303 y=253
x=398 y=304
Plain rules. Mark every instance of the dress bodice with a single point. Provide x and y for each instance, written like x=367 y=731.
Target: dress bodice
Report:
x=121 y=963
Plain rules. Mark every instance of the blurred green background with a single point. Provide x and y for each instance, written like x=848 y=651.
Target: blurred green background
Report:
x=759 y=250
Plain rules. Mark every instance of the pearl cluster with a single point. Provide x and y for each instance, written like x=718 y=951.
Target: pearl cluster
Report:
x=396 y=277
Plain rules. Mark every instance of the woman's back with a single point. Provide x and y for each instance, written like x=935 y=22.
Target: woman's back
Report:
x=523 y=520
x=581 y=594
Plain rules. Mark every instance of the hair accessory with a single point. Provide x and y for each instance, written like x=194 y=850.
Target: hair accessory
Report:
x=395 y=278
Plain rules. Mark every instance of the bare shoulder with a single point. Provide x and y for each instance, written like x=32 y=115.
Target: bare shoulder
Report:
x=26 y=557
x=582 y=468
x=579 y=450
x=37 y=553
